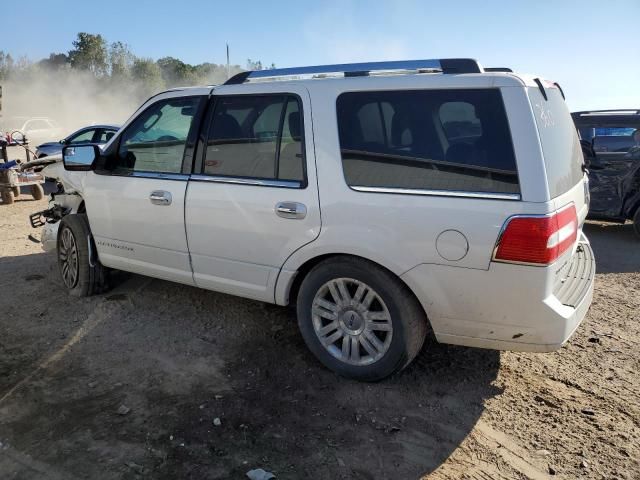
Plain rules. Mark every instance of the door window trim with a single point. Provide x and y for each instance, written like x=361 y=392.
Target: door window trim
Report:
x=199 y=176
x=189 y=148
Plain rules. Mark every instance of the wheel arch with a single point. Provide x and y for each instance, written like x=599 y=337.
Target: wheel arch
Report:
x=288 y=286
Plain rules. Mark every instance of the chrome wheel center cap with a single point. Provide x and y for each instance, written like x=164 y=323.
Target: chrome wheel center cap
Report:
x=352 y=322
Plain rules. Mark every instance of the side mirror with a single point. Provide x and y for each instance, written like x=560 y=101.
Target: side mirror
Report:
x=80 y=158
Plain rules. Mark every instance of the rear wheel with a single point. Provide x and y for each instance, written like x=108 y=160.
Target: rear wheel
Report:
x=7 y=197
x=359 y=319
x=16 y=191
x=37 y=192
x=636 y=223
x=81 y=274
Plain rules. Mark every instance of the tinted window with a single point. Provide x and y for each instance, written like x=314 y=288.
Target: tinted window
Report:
x=427 y=139
x=82 y=137
x=155 y=141
x=256 y=137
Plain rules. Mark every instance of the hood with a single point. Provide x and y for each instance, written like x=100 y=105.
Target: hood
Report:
x=50 y=144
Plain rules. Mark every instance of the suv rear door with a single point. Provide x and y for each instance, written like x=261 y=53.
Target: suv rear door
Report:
x=253 y=198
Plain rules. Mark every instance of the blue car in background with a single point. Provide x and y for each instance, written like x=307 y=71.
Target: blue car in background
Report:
x=98 y=134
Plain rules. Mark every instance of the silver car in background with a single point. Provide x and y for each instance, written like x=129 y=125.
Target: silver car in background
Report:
x=96 y=134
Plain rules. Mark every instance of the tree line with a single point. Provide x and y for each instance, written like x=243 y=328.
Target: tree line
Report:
x=115 y=64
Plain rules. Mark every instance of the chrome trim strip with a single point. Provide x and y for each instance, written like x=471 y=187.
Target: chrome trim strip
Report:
x=439 y=193
x=247 y=181
x=160 y=176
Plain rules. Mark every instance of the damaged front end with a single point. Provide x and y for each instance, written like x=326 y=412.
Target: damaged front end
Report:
x=62 y=202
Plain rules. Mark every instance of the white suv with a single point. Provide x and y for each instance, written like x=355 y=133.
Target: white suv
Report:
x=383 y=200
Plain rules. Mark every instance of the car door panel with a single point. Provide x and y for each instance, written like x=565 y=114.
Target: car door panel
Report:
x=135 y=199
x=608 y=173
x=149 y=239
x=237 y=239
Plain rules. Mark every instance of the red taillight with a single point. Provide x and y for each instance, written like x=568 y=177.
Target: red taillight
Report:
x=538 y=240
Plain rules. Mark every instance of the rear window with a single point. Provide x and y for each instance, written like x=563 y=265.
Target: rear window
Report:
x=451 y=140
x=561 y=148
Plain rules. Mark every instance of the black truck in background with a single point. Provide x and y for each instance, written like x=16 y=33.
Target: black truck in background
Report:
x=611 y=146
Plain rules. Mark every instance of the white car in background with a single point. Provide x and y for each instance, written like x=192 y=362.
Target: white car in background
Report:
x=36 y=129
x=429 y=195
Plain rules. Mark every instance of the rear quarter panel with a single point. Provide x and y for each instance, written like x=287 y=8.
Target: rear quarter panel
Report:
x=400 y=231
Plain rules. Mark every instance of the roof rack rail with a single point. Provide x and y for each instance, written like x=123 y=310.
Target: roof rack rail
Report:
x=444 y=65
x=610 y=111
x=498 y=69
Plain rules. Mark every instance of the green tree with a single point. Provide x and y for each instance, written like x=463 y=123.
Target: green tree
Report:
x=148 y=73
x=120 y=60
x=175 y=72
x=6 y=65
x=89 y=53
x=56 y=61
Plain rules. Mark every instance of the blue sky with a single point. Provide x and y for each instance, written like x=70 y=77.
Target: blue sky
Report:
x=591 y=47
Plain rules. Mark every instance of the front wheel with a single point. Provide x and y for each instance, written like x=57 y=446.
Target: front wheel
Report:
x=81 y=274
x=359 y=319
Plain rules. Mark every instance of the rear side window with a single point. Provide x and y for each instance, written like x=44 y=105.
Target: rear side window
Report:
x=256 y=137
x=451 y=140
x=561 y=147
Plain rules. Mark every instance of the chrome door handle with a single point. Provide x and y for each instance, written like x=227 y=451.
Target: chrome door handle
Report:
x=292 y=210
x=160 y=197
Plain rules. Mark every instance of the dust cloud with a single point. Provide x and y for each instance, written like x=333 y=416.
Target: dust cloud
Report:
x=71 y=99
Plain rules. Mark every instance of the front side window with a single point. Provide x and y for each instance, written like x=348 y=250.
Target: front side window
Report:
x=155 y=141
x=256 y=137
x=452 y=140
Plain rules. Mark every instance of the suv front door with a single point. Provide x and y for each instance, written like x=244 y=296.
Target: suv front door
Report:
x=253 y=198
x=135 y=199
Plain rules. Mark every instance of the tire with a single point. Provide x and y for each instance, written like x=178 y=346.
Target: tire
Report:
x=636 y=223
x=7 y=197
x=37 y=192
x=400 y=325
x=16 y=191
x=84 y=276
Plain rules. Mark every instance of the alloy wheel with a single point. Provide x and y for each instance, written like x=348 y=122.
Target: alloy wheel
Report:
x=68 y=254
x=352 y=321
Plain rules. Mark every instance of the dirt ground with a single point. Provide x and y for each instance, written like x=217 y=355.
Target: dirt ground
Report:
x=129 y=385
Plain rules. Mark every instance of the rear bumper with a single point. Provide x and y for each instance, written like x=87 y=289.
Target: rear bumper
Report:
x=506 y=307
